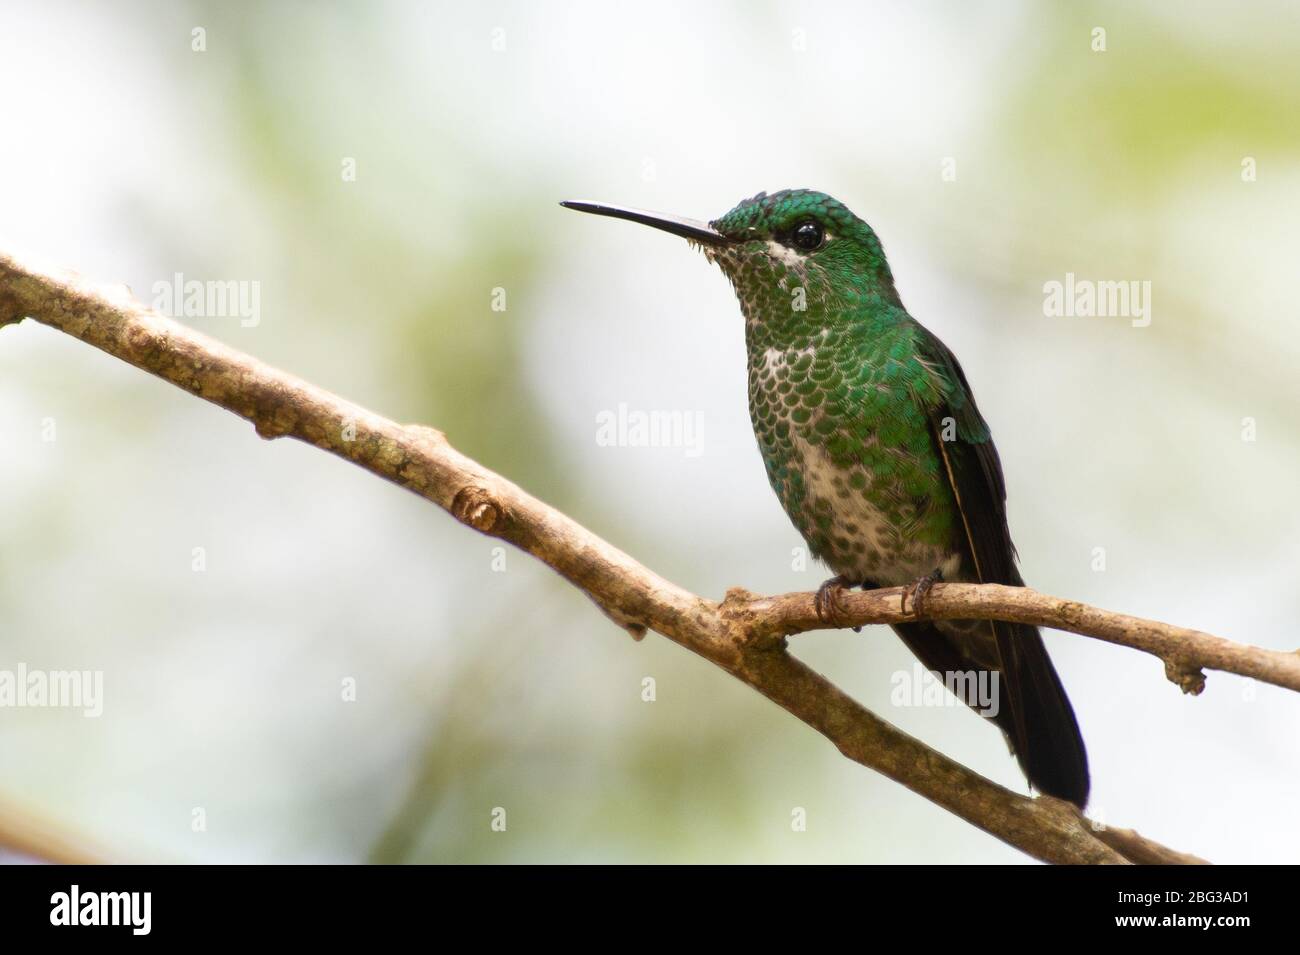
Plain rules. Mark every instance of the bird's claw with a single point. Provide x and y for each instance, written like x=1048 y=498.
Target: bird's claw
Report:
x=919 y=590
x=826 y=602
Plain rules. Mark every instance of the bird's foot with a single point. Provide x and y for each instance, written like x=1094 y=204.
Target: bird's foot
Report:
x=827 y=600
x=920 y=589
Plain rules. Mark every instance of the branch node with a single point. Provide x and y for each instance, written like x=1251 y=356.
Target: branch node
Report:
x=425 y=433
x=635 y=628
x=267 y=427
x=1189 y=678
x=738 y=598
x=751 y=627
x=475 y=507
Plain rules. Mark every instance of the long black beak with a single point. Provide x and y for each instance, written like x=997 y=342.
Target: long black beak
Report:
x=687 y=228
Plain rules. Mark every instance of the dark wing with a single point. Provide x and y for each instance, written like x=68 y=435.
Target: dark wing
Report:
x=1041 y=723
x=974 y=469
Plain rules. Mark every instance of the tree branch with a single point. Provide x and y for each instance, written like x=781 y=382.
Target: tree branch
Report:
x=1183 y=651
x=27 y=832
x=743 y=635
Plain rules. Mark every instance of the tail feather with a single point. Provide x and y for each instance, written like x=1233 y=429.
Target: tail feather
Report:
x=1034 y=713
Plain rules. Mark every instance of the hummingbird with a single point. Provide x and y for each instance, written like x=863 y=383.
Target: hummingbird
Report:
x=869 y=432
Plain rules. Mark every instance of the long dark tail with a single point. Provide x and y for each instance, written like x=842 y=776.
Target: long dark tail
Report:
x=1035 y=713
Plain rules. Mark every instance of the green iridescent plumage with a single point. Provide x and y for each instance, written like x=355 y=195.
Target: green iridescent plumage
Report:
x=873 y=443
x=842 y=386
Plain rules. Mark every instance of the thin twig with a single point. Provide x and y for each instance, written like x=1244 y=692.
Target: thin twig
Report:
x=1183 y=651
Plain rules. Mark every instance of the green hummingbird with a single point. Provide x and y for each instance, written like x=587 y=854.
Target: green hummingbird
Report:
x=872 y=441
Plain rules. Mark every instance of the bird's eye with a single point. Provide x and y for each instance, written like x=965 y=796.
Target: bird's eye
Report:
x=807 y=235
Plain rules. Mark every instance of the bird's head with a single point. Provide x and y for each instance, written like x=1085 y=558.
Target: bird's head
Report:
x=794 y=246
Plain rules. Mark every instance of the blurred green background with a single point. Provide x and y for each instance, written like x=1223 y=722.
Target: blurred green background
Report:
x=482 y=680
